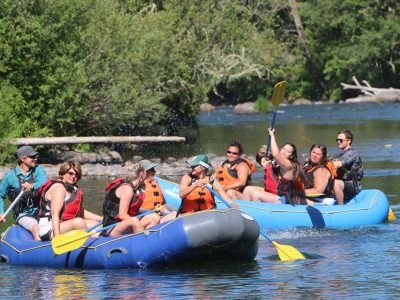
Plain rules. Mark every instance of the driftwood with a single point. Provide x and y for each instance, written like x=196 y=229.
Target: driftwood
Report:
x=372 y=94
x=95 y=140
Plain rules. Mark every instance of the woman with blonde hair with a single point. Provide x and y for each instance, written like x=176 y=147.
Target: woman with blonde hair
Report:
x=123 y=200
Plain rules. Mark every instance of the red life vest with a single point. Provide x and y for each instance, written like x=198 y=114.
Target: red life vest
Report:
x=72 y=207
x=111 y=202
x=227 y=173
x=197 y=200
x=152 y=195
x=275 y=183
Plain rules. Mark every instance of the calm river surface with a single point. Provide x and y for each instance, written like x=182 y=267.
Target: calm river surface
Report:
x=359 y=263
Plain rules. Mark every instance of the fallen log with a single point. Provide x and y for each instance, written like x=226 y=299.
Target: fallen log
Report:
x=374 y=94
x=95 y=140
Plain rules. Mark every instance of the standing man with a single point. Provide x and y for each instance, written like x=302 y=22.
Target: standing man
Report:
x=349 y=168
x=25 y=176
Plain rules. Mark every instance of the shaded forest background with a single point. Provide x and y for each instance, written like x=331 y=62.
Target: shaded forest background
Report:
x=128 y=67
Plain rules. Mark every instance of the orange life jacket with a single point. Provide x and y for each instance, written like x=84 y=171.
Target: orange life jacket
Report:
x=331 y=168
x=152 y=195
x=227 y=173
x=198 y=199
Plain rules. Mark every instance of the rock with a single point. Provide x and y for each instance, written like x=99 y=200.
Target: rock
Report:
x=302 y=101
x=363 y=99
x=207 y=107
x=245 y=108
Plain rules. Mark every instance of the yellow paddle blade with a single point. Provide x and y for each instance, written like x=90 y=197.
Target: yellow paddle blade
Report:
x=391 y=215
x=287 y=252
x=69 y=241
x=315 y=195
x=278 y=93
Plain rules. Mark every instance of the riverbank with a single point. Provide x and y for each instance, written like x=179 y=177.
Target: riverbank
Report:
x=171 y=166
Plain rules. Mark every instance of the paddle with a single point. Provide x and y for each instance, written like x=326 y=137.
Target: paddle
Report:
x=13 y=204
x=94 y=226
x=285 y=252
x=277 y=98
x=76 y=238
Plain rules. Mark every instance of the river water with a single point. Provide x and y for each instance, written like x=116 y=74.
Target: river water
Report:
x=358 y=263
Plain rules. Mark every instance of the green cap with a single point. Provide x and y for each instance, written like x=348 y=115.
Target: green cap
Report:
x=148 y=164
x=201 y=160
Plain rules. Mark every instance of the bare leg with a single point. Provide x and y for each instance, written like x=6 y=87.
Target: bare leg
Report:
x=34 y=229
x=131 y=225
x=168 y=217
x=150 y=220
x=263 y=196
x=235 y=194
x=338 y=189
x=249 y=191
x=76 y=223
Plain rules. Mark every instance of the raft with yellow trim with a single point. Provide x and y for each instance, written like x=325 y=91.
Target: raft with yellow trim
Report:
x=207 y=235
x=369 y=207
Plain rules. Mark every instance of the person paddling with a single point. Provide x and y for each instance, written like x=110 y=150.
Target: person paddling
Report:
x=123 y=200
x=56 y=197
x=27 y=176
x=195 y=196
x=283 y=179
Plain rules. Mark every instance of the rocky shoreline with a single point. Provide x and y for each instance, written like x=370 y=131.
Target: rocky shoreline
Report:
x=169 y=167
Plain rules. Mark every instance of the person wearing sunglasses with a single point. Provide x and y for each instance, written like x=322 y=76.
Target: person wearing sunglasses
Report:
x=27 y=176
x=235 y=172
x=283 y=177
x=193 y=191
x=349 y=168
x=319 y=176
x=60 y=207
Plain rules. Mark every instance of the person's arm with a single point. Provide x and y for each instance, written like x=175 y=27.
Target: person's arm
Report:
x=40 y=177
x=57 y=196
x=125 y=193
x=321 y=178
x=186 y=187
x=242 y=170
x=4 y=188
x=217 y=187
x=284 y=163
x=91 y=216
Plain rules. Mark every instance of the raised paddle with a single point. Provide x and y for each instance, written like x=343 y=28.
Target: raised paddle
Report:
x=13 y=204
x=277 y=98
x=285 y=252
x=76 y=238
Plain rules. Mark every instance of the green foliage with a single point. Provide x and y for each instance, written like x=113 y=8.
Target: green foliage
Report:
x=94 y=67
x=262 y=105
x=351 y=38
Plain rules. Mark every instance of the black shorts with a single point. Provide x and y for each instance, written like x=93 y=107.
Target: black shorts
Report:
x=349 y=191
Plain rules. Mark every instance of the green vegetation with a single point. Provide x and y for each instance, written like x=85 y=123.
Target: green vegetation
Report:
x=126 y=67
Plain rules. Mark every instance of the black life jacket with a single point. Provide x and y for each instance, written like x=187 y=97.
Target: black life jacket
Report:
x=29 y=199
x=111 y=202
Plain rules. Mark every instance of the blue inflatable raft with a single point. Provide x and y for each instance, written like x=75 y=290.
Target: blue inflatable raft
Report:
x=369 y=207
x=208 y=235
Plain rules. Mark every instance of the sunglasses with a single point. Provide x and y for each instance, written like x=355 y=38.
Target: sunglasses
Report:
x=339 y=140
x=70 y=173
x=233 y=153
x=34 y=157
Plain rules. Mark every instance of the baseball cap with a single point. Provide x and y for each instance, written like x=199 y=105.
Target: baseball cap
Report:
x=201 y=160
x=26 y=151
x=148 y=164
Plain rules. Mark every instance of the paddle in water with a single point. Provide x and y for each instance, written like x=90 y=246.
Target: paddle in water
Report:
x=76 y=238
x=277 y=98
x=285 y=252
